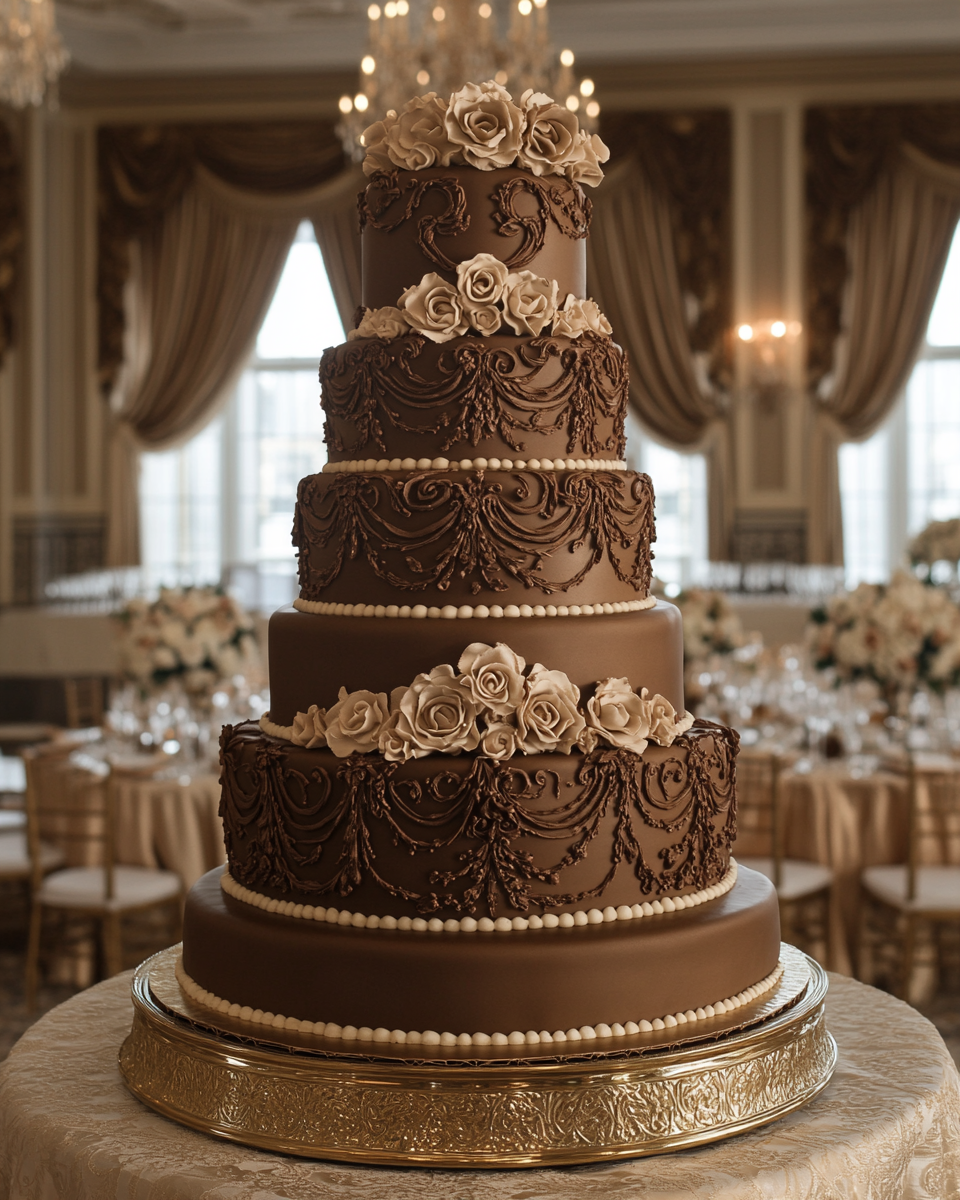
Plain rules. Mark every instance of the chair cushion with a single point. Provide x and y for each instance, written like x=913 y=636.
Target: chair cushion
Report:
x=798 y=878
x=15 y=860
x=84 y=887
x=938 y=888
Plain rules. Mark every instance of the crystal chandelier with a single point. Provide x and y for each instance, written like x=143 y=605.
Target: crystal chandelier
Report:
x=426 y=45
x=32 y=54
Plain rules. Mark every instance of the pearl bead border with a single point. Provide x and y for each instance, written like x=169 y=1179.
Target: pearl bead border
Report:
x=465 y=612
x=364 y=466
x=586 y=1033
x=593 y=916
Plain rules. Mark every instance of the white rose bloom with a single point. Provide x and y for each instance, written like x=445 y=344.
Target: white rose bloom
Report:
x=585 y=169
x=375 y=137
x=551 y=140
x=499 y=741
x=387 y=322
x=485 y=125
x=663 y=719
x=355 y=722
x=580 y=316
x=437 y=715
x=486 y=320
x=619 y=716
x=493 y=675
x=309 y=728
x=417 y=138
x=481 y=280
x=432 y=307
x=529 y=302
x=547 y=718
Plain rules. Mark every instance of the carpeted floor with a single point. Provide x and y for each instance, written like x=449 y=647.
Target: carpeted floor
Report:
x=943 y=1010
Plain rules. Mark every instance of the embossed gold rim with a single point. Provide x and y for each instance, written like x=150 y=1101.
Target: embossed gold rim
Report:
x=493 y=1116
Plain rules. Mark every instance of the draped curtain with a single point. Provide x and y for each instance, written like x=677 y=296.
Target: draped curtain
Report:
x=195 y=225
x=659 y=262
x=883 y=200
x=11 y=236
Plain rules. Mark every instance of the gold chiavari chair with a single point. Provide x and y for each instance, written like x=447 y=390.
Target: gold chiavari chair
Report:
x=75 y=808
x=84 y=701
x=803 y=887
x=900 y=901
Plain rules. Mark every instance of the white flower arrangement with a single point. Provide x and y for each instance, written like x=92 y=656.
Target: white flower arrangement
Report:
x=198 y=635
x=710 y=624
x=493 y=704
x=482 y=127
x=937 y=542
x=486 y=296
x=899 y=634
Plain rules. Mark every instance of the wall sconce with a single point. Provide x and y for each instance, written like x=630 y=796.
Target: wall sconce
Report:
x=767 y=342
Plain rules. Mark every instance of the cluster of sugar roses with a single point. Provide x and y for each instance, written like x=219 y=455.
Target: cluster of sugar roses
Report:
x=197 y=634
x=481 y=126
x=900 y=634
x=486 y=295
x=491 y=703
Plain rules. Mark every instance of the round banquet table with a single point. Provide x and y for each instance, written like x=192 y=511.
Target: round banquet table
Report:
x=887 y=1126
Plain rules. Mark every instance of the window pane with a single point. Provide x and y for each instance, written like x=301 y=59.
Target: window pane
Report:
x=944 y=327
x=863 y=498
x=933 y=423
x=303 y=318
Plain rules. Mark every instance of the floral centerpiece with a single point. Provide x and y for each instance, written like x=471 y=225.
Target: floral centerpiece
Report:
x=937 y=542
x=194 y=635
x=900 y=634
x=710 y=624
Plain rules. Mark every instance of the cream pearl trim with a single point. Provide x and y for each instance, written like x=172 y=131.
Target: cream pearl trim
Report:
x=593 y=916
x=450 y=612
x=586 y=1033
x=367 y=465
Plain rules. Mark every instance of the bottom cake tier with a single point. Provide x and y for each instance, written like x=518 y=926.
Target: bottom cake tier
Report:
x=354 y=983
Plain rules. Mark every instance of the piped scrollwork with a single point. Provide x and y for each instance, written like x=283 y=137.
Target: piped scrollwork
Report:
x=473 y=392
x=386 y=203
x=479 y=831
x=558 y=200
x=430 y=529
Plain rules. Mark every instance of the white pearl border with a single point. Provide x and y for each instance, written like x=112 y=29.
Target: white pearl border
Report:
x=369 y=465
x=593 y=916
x=450 y=612
x=586 y=1033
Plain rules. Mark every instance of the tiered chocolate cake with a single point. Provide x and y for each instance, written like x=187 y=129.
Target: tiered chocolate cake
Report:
x=477 y=814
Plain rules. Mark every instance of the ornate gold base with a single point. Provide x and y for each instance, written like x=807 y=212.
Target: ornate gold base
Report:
x=646 y=1095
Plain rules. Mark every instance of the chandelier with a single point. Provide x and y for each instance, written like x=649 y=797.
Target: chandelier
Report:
x=32 y=54
x=436 y=46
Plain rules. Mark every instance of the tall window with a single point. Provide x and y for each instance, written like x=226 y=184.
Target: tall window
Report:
x=680 y=488
x=222 y=505
x=906 y=474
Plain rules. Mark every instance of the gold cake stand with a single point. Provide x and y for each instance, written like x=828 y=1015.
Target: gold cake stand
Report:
x=624 y=1098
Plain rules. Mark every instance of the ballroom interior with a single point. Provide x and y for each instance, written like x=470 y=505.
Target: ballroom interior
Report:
x=776 y=246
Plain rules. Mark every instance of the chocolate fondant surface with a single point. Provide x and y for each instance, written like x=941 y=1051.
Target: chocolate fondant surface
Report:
x=468 y=983
x=312 y=656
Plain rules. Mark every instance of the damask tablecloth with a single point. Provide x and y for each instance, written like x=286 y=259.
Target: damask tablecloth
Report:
x=886 y=1128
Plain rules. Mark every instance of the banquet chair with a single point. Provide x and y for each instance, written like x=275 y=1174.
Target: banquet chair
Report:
x=803 y=887
x=75 y=808
x=902 y=900
x=84 y=702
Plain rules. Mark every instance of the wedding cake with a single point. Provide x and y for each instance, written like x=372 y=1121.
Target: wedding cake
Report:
x=477 y=817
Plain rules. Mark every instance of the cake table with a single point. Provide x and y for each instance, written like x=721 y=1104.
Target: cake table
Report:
x=888 y=1126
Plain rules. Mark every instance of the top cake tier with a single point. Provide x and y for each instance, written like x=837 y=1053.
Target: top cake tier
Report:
x=416 y=222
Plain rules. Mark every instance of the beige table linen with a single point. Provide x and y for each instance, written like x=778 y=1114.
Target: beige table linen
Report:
x=170 y=823
x=886 y=1128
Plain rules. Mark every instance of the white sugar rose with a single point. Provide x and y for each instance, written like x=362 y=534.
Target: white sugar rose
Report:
x=663 y=719
x=585 y=168
x=529 y=302
x=481 y=280
x=375 y=143
x=437 y=715
x=418 y=137
x=619 y=716
x=310 y=728
x=385 y=322
x=486 y=320
x=493 y=675
x=551 y=140
x=485 y=125
x=355 y=722
x=499 y=741
x=580 y=316
x=432 y=307
x=547 y=718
